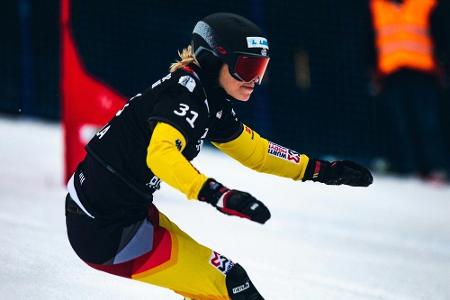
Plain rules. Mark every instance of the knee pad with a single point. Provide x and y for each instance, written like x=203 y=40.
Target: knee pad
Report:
x=239 y=285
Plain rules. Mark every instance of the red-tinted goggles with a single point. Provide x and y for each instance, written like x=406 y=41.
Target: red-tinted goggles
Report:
x=247 y=67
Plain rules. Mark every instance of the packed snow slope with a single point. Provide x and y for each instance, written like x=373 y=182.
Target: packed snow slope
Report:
x=389 y=241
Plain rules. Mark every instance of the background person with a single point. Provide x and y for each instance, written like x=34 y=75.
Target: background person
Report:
x=410 y=93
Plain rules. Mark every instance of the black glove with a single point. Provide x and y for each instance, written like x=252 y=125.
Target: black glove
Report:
x=337 y=172
x=233 y=202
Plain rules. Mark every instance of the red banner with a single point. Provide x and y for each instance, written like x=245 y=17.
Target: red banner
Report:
x=87 y=103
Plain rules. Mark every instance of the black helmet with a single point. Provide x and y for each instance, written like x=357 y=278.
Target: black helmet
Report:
x=229 y=38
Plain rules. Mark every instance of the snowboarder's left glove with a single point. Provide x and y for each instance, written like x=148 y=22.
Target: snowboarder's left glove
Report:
x=338 y=172
x=233 y=202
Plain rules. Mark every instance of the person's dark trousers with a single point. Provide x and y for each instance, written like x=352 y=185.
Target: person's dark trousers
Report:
x=445 y=117
x=411 y=100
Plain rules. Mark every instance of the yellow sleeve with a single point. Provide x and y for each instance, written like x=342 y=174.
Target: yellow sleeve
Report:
x=166 y=161
x=257 y=153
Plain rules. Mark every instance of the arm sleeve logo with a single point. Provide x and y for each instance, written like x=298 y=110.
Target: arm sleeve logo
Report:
x=220 y=262
x=284 y=153
x=188 y=82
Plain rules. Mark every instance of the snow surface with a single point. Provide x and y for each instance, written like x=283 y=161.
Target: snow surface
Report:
x=390 y=241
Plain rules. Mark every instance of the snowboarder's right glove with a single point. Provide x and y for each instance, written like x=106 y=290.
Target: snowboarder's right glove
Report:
x=337 y=173
x=233 y=202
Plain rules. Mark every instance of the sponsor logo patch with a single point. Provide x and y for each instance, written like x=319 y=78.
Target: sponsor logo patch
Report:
x=293 y=156
x=257 y=42
x=188 y=82
x=178 y=144
x=154 y=183
x=241 y=288
x=284 y=153
x=82 y=178
x=220 y=262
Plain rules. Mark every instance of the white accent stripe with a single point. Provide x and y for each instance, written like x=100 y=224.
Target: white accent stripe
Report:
x=207 y=105
x=220 y=202
x=195 y=74
x=74 y=196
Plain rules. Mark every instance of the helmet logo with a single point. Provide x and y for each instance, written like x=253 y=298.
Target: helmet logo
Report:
x=257 y=42
x=221 y=50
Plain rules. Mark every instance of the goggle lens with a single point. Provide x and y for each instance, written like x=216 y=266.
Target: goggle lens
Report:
x=248 y=68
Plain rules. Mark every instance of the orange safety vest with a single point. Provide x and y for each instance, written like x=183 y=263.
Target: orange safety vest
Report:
x=402 y=35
